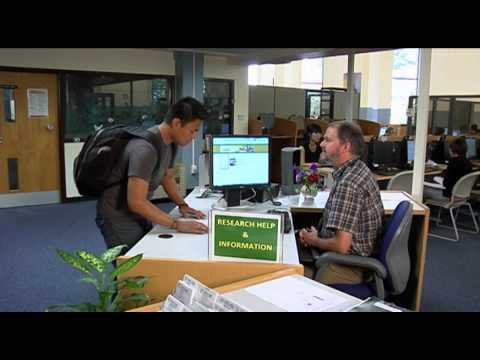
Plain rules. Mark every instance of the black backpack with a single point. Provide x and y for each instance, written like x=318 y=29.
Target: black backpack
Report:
x=99 y=155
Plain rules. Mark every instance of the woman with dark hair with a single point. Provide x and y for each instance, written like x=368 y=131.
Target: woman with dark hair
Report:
x=313 y=138
x=458 y=166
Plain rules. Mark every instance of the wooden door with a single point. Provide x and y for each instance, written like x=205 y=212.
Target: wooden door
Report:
x=29 y=150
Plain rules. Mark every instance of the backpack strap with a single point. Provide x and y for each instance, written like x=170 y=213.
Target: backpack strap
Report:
x=155 y=141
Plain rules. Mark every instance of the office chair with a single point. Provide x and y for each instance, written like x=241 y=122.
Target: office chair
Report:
x=401 y=181
x=460 y=195
x=390 y=267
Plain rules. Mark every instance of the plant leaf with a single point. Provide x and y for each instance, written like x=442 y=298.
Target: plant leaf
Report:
x=137 y=282
x=143 y=298
x=127 y=265
x=72 y=260
x=93 y=260
x=111 y=254
x=90 y=280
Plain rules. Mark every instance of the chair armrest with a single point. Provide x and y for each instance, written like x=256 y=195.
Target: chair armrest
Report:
x=351 y=260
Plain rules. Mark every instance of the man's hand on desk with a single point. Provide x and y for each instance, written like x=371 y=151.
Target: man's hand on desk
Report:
x=308 y=237
x=190 y=226
x=189 y=212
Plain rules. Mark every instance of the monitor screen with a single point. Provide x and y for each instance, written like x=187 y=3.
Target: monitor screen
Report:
x=386 y=153
x=240 y=161
x=471 y=148
x=383 y=131
x=410 y=150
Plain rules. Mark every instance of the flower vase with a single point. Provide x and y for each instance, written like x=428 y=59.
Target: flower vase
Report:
x=309 y=194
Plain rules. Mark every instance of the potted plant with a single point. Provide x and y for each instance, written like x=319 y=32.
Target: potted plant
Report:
x=105 y=281
x=310 y=179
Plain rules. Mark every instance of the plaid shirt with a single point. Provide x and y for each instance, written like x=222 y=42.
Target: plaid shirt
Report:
x=354 y=205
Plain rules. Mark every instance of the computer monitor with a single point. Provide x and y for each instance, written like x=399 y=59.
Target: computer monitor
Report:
x=386 y=153
x=238 y=162
x=383 y=131
x=410 y=150
x=471 y=148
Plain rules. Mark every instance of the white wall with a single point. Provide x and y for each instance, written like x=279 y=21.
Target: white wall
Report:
x=216 y=67
x=455 y=72
x=111 y=60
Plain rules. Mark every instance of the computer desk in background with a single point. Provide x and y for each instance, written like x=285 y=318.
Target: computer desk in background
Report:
x=411 y=298
x=169 y=259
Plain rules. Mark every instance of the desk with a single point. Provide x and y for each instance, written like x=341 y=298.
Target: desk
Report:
x=165 y=261
x=418 y=235
x=169 y=259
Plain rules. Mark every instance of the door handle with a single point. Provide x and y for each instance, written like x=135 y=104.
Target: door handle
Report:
x=50 y=127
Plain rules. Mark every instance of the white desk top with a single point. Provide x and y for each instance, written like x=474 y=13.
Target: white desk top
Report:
x=195 y=247
x=390 y=200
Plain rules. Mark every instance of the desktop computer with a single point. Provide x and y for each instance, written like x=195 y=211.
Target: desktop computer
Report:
x=239 y=162
x=471 y=148
x=291 y=158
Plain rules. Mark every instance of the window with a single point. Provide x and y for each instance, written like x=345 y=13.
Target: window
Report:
x=312 y=74
x=95 y=100
x=404 y=83
x=305 y=74
x=261 y=75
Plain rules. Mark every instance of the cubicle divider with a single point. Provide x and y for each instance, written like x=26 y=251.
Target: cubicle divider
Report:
x=165 y=273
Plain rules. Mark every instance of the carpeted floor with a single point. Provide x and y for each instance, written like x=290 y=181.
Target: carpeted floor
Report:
x=34 y=277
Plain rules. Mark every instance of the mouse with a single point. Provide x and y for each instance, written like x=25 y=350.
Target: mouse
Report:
x=165 y=236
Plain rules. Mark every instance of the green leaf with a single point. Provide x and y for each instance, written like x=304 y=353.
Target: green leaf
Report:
x=75 y=262
x=111 y=254
x=115 y=305
x=90 y=280
x=144 y=298
x=137 y=282
x=127 y=265
x=93 y=260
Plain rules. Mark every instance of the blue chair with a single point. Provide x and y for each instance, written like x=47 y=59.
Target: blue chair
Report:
x=390 y=267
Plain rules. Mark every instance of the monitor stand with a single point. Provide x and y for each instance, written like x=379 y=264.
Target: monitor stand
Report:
x=232 y=197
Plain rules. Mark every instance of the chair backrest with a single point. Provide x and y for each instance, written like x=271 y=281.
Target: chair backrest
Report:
x=394 y=248
x=401 y=181
x=463 y=187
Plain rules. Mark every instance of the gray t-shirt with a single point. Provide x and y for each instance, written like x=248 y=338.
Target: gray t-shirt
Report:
x=140 y=156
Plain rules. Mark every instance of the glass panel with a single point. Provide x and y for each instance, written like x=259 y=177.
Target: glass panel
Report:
x=9 y=104
x=12 y=165
x=96 y=100
x=401 y=91
x=218 y=100
x=440 y=116
x=314 y=107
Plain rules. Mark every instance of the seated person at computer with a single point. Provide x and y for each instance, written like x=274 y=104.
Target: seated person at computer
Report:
x=437 y=149
x=313 y=138
x=458 y=166
x=473 y=130
x=352 y=220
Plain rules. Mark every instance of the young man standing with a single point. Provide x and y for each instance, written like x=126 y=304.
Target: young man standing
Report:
x=125 y=214
x=352 y=219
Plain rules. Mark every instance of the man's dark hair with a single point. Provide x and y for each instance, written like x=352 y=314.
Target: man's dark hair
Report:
x=474 y=127
x=350 y=132
x=187 y=110
x=459 y=147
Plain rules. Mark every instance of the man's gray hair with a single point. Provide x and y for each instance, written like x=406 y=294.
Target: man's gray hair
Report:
x=350 y=132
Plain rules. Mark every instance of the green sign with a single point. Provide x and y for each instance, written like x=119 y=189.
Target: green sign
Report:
x=245 y=236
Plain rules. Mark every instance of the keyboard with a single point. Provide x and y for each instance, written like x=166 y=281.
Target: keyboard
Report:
x=432 y=168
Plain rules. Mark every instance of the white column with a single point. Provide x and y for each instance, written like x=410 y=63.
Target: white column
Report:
x=350 y=92
x=423 y=92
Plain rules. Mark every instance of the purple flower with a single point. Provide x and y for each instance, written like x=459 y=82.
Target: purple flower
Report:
x=314 y=167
